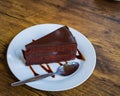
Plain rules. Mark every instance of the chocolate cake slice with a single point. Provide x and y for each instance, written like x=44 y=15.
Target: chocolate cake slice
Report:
x=59 y=45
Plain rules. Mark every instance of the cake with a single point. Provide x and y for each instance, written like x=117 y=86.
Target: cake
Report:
x=59 y=45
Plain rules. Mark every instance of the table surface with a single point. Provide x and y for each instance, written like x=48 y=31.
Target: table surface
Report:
x=98 y=20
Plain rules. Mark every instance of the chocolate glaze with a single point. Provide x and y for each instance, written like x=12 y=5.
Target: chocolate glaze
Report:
x=60 y=45
x=58 y=37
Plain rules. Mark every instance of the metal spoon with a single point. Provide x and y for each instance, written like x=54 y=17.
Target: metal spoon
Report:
x=64 y=70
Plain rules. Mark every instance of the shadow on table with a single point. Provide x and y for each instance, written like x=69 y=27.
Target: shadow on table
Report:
x=110 y=4
x=109 y=8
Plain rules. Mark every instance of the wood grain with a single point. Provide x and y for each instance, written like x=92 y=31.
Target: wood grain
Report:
x=98 y=20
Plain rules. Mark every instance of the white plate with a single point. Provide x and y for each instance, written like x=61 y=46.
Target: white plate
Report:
x=18 y=68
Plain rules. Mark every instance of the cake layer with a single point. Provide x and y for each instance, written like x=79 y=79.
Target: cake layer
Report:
x=48 y=49
x=49 y=59
x=48 y=54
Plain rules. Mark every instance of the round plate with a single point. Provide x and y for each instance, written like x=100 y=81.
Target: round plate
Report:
x=59 y=83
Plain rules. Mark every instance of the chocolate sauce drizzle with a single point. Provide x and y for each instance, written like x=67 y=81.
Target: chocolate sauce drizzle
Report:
x=60 y=63
x=34 y=72
x=48 y=68
x=80 y=56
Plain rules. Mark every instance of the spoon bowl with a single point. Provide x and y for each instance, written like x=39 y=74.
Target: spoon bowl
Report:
x=67 y=69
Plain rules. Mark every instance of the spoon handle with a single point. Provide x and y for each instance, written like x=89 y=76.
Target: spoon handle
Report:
x=38 y=77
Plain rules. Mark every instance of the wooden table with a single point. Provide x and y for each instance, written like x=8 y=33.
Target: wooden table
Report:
x=98 y=20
